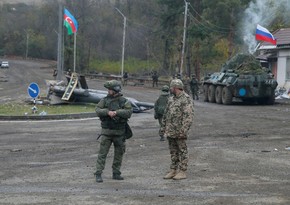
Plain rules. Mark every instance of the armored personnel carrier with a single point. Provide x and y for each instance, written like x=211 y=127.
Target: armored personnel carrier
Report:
x=244 y=78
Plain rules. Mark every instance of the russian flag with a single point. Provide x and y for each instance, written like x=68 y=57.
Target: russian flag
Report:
x=263 y=34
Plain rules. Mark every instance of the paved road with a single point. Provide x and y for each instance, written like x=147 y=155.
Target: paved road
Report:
x=15 y=80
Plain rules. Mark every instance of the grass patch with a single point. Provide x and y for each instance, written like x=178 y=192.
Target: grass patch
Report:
x=11 y=109
x=131 y=65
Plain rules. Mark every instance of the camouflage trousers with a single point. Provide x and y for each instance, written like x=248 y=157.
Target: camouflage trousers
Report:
x=160 y=124
x=119 y=150
x=194 y=93
x=179 y=153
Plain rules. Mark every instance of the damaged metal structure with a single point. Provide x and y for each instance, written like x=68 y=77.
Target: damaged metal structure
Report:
x=77 y=91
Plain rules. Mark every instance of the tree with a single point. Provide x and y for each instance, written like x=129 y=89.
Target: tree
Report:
x=153 y=34
x=171 y=33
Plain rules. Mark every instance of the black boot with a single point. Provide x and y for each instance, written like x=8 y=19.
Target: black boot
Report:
x=117 y=177
x=99 y=178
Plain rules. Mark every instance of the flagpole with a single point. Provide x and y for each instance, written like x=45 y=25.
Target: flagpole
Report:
x=59 y=43
x=75 y=39
x=257 y=47
x=123 y=46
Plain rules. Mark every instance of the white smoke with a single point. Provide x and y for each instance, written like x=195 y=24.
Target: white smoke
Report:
x=263 y=12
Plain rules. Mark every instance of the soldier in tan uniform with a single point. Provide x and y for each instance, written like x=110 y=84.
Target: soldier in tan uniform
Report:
x=176 y=122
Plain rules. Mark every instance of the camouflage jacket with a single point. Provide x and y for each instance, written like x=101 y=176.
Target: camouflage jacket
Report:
x=160 y=105
x=178 y=116
x=116 y=125
x=193 y=84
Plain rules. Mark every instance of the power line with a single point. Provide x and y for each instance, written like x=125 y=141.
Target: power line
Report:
x=205 y=27
x=218 y=27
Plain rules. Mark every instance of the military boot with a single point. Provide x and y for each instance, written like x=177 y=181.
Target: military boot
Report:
x=99 y=178
x=170 y=174
x=180 y=175
x=118 y=177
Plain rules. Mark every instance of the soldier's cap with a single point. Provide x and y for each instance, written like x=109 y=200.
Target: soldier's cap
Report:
x=165 y=88
x=176 y=83
x=113 y=85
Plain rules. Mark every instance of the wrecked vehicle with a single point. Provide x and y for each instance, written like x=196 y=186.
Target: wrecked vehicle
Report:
x=77 y=91
x=244 y=78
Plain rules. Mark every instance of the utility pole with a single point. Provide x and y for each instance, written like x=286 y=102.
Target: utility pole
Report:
x=27 y=44
x=181 y=70
x=123 y=47
x=59 y=42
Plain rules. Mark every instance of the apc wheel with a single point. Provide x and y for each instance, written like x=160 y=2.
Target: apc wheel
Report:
x=270 y=100
x=211 y=93
x=205 y=92
x=227 y=97
x=218 y=94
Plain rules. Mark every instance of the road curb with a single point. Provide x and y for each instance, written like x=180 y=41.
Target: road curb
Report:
x=48 y=117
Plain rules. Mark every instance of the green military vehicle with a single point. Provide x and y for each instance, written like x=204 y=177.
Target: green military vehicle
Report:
x=242 y=77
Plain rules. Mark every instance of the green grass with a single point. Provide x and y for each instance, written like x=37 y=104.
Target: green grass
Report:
x=131 y=65
x=13 y=109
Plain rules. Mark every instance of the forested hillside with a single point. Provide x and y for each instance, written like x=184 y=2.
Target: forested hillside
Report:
x=155 y=29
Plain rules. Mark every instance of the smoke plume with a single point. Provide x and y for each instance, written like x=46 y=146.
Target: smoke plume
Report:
x=263 y=12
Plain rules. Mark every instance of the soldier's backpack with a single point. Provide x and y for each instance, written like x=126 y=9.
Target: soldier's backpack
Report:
x=128 y=131
x=162 y=103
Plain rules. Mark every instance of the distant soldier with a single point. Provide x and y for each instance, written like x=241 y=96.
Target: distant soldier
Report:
x=160 y=106
x=125 y=78
x=194 y=87
x=155 y=79
x=178 y=76
x=54 y=74
x=68 y=75
x=68 y=72
x=207 y=77
x=185 y=81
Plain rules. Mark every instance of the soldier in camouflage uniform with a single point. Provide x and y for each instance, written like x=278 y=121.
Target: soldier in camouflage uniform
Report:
x=114 y=111
x=185 y=81
x=194 y=87
x=176 y=122
x=160 y=105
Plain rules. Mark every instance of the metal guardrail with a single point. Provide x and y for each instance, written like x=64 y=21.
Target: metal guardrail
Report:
x=135 y=81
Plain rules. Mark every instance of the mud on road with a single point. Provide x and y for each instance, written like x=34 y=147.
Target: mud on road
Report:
x=237 y=156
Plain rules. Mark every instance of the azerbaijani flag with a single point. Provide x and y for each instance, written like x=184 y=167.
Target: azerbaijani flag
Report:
x=263 y=34
x=70 y=22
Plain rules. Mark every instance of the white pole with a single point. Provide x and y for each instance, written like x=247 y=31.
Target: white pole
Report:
x=183 y=40
x=123 y=47
x=27 y=39
x=257 y=47
x=75 y=43
x=59 y=43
